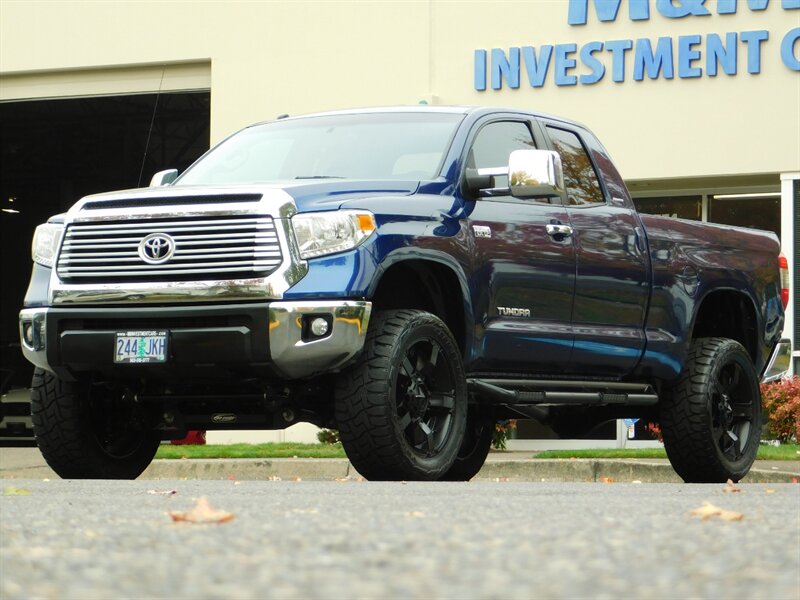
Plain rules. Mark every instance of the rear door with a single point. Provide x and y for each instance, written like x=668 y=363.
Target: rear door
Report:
x=612 y=276
x=522 y=277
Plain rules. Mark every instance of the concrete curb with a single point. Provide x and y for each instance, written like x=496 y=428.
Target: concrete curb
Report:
x=549 y=470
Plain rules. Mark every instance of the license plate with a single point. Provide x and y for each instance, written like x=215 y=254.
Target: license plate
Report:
x=140 y=347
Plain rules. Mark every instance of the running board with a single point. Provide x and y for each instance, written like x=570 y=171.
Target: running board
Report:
x=579 y=393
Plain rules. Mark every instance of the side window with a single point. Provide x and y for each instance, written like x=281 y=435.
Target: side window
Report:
x=583 y=186
x=495 y=142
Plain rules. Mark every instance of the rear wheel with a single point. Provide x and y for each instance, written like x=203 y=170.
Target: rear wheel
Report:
x=711 y=419
x=89 y=432
x=401 y=410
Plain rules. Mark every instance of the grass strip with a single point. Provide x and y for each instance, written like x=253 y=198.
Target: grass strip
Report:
x=783 y=452
x=271 y=450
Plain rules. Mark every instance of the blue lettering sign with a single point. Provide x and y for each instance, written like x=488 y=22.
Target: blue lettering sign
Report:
x=728 y=7
x=480 y=70
x=537 y=67
x=753 y=41
x=618 y=48
x=788 y=46
x=653 y=62
x=684 y=8
x=606 y=10
x=564 y=63
x=687 y=55
x=719 y=54
x=588 y=59
x=505 y=67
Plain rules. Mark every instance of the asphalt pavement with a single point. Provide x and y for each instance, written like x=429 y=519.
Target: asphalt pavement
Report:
x=16 y=463
x=350 y=539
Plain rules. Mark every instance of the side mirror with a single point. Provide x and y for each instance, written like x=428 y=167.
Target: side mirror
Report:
x=164 y=177
x=535 y=174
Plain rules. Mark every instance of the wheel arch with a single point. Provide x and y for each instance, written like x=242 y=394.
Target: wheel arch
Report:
x=429 y=282
x=728 y=313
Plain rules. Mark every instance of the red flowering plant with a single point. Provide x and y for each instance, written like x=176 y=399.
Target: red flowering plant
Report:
x=781 y=402
x=502 y=429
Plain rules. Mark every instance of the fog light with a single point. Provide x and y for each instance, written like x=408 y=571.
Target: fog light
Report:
x=319 y=327
x=27 y=333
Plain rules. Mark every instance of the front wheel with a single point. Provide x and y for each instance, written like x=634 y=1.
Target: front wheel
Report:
x=88 y=432
x=401 y=409
x=711 y=419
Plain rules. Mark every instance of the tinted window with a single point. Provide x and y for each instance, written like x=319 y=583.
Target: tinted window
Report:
x=583 y=186
x=495 y=142
x=408 y=146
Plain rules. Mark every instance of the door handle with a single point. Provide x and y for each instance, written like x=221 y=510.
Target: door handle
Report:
x=554 y=229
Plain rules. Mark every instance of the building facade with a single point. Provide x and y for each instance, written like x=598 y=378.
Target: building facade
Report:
x=698 y=101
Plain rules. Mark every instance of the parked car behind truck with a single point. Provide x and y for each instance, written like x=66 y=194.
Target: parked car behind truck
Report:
x=408 y=276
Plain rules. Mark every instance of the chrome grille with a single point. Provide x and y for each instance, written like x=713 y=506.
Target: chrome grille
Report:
x=205 y=248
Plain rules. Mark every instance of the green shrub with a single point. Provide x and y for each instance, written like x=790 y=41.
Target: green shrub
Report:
x=781 y=401
x=328 y=436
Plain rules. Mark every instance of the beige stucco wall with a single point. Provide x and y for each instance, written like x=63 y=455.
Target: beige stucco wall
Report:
x=267 y=58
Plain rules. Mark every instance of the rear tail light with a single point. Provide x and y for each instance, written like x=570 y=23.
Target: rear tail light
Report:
x=783 y=264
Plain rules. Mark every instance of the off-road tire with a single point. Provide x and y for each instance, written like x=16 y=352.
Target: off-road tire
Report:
x=475 y=447
x=65 y=423
x=397 y=420
x=716 y=400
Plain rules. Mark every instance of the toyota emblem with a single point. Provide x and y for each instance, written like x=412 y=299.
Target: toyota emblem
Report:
x=156 y=248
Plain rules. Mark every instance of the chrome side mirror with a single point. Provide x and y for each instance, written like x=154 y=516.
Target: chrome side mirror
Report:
x=535 y=174
x=164 y=177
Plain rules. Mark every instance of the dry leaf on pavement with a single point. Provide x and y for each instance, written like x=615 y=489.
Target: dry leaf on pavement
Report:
x=15 y=491
x=162 y=492
x=202 y=513
x=415 y=514
x=731 y=488
x=708 y=510
x=608 y=480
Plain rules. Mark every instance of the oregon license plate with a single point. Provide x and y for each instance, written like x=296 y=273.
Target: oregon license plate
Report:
x=139 y=347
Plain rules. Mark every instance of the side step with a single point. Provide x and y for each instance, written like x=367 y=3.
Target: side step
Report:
x=579 y=393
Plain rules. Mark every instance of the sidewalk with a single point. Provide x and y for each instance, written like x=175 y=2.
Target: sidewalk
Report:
x=27 y=463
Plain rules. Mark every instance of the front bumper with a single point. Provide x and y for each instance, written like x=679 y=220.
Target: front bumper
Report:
x=258 y=339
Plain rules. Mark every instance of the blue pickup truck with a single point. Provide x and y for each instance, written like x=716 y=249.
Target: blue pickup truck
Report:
x=407 y=276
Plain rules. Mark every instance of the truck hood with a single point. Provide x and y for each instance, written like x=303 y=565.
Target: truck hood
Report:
x=308 y=195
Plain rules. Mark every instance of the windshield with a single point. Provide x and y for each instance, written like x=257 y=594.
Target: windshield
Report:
x=407 y=146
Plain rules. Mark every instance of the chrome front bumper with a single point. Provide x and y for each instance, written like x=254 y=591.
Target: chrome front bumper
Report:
x=295 y=354
x=779 y=362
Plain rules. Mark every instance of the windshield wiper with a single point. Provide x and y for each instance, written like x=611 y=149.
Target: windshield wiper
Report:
x=319 y=177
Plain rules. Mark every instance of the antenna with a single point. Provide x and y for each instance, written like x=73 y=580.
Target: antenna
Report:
x=152 y=122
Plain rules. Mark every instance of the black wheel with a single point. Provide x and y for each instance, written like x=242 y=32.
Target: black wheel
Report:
x=401 y=409
x=475 y=447
x=711 y=419
x=87 y=432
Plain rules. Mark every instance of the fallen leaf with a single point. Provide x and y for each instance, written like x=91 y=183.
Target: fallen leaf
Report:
x=769 y=491
x=296 y=479
x=608 y=480
x=273 y=478
x=231 y=478
x=162 y=492
x=501 y=479
x=730 y=488
x=794 y=479
x=708 y=510
x=202 y=513
x=415 y=514
x=636 y=481
x=15 y=491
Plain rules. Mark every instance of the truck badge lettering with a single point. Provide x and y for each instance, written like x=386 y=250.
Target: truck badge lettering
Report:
x=481 y=231
x=513 y=312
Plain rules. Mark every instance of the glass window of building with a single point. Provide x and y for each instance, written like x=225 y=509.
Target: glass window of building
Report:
x=755 y=212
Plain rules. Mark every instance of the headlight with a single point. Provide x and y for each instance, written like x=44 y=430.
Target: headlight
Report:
x=46 y=240
x=323 y=233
